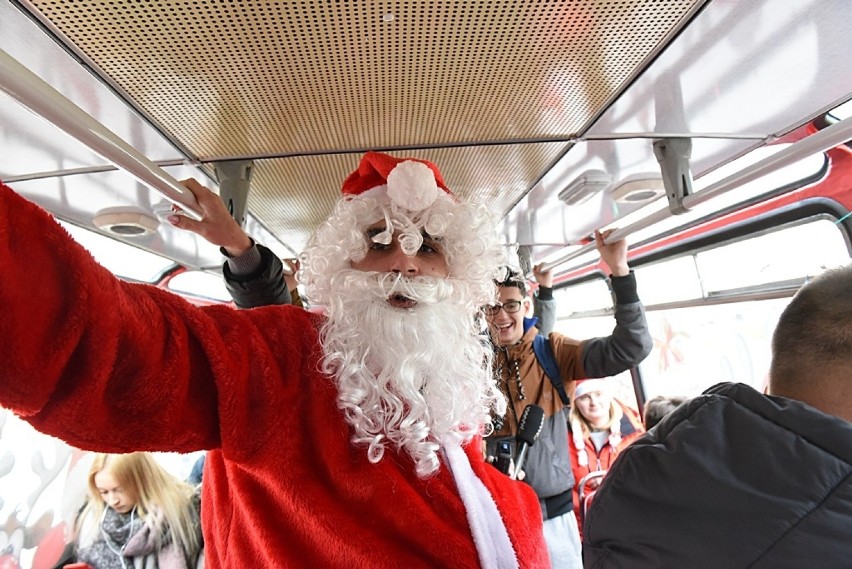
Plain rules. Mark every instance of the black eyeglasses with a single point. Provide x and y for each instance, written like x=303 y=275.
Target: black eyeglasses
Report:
x=510 y=307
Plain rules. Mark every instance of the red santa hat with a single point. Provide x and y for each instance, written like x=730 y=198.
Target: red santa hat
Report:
x=410 y=183
x=588 y=385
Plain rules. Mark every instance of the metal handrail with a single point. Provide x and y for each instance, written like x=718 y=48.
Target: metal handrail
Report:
x=41 y=98
x=582 y=495
x=820 y=141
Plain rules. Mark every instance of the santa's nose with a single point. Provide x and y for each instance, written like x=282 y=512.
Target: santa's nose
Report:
x=402 y=263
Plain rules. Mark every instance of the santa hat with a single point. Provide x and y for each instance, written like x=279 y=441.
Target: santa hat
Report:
x=410 y=183
x=588 y=385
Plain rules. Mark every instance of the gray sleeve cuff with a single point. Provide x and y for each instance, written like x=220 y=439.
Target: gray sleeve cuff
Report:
x=243 y=264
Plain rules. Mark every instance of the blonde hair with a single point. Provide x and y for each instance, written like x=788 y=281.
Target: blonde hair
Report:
x=581 y=429
x=615 y=415
x=152 y=489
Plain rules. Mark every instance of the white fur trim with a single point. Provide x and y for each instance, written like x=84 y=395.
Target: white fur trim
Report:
x=489 y=533
x=412 y=185
x=378 y=191
x=588 y=385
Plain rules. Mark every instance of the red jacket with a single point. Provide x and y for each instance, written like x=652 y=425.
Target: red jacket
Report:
x=631 y=429
x=118 y=367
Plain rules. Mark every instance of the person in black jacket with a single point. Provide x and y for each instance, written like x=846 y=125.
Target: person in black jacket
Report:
x=254 y=276
x=736 y=478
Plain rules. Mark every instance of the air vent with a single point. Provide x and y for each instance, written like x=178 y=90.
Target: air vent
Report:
x=126 y=222
x=638 y=189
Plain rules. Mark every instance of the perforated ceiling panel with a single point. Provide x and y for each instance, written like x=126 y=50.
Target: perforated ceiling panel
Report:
x=494 y=175
x=492 y=81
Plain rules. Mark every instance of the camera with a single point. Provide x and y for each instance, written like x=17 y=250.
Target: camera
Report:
x=504 y=456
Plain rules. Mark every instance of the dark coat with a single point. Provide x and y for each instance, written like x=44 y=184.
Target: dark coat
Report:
x=263 y=286
x=731 y=479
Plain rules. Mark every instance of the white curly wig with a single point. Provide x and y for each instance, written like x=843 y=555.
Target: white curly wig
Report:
x=407 y=377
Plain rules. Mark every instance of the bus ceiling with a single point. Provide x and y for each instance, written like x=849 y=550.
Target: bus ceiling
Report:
x=564 y=117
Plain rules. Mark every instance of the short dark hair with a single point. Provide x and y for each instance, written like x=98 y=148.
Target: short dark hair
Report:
x=813 y=338
x=658 y=407
x=512 y=277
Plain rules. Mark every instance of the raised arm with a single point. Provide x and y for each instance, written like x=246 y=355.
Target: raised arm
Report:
x=116 y=366
x=254 y=275
x=630 y=341
x=543 y=302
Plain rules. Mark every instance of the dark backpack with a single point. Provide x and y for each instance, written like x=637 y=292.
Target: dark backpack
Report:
x=546 y=359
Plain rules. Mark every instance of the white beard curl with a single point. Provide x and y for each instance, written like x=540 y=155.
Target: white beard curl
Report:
x=408 y=377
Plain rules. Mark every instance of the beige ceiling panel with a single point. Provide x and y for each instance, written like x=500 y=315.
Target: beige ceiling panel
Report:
x=503 y=86
x=291 y=196
x=231 y=79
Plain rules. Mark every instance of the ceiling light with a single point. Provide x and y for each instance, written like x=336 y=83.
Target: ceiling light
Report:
x=585 y=186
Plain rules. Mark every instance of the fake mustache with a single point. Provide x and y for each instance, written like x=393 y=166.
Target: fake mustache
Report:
x=384 y=286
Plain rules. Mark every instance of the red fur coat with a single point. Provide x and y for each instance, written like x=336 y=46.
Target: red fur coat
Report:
x=117 y=367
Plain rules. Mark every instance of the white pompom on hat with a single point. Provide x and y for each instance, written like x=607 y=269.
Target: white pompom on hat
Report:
x=410 y=183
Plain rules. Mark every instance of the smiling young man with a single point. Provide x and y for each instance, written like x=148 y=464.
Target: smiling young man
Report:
x=523 y=381
x=347 y=439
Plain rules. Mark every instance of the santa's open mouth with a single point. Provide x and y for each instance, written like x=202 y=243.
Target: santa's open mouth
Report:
x=400 y=301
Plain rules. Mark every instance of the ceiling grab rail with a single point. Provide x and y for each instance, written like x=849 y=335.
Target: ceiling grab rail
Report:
x=42 y=99
x=825 y=139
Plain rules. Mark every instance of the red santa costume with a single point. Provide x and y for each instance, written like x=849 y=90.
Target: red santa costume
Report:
x=298 y=473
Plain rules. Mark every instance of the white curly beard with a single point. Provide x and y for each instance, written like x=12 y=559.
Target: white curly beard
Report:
x=407 y=376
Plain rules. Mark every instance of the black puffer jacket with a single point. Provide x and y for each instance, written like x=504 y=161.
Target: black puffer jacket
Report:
x=731 y=479
x=263 y=286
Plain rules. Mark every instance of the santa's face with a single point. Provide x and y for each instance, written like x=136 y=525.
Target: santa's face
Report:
x=428 y=260
x=401 y=290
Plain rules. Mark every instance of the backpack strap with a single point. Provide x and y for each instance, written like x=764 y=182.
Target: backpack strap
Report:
x=546 y=359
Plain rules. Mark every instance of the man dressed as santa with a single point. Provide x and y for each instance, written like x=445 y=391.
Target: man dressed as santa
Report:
x=347 y=439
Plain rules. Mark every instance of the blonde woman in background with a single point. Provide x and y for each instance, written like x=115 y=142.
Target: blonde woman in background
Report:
x=601 y=426
x=138 y=516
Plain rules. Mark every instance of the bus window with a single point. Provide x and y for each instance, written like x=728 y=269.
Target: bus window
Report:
x=797 y=252
x=711 y=312
x=121 y=259
x=200 y=284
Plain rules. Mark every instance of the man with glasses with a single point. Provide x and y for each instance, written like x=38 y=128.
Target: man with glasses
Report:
x=523 y=381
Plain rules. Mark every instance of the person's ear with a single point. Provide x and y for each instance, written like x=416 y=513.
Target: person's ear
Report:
x=528 y=306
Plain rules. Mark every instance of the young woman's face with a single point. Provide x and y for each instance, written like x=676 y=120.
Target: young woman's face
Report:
x=113 y=494
x=594 y=407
